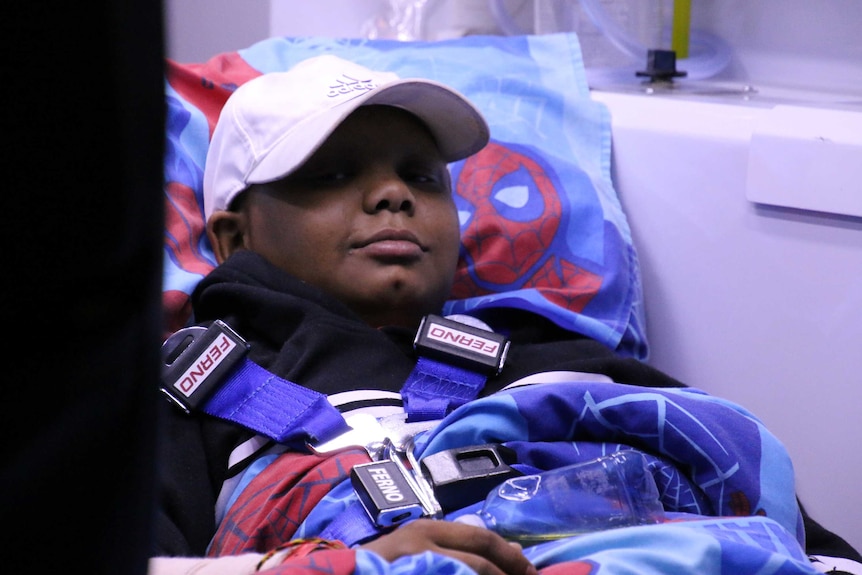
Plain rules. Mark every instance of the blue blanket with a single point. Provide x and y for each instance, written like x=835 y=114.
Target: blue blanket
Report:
x=726 y=483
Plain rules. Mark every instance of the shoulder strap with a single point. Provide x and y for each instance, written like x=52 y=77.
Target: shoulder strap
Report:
x=207 y=369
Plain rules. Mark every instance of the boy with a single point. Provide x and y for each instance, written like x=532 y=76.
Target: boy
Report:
x=329 y=209
x=354 y=202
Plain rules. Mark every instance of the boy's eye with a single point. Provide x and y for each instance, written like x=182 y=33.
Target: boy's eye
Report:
x=421 y=178
x=333 y=176
x=321 y=177
x=423 y=175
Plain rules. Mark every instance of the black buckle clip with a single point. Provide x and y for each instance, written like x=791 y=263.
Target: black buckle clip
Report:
x=462 y=476
x=461 y=344
x=196 y=359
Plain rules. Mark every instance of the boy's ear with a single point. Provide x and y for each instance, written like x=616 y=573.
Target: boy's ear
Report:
x=225 y=231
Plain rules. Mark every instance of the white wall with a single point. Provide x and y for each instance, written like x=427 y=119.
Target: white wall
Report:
x=798 y=43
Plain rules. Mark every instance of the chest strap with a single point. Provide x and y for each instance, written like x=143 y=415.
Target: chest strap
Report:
x=207 y=369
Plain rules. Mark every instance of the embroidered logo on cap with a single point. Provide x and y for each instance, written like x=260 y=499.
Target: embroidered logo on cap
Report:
x=349 y=86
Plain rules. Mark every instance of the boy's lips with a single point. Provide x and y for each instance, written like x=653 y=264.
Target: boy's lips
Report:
x=391 y=244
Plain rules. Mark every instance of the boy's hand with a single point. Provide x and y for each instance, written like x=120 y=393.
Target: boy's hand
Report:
x=482 y=550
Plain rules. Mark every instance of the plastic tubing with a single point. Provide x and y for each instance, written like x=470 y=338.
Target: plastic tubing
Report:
x=613 y=31
x=708 y=54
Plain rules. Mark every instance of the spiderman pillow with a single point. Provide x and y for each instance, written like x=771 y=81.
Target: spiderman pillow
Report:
x=542 y=227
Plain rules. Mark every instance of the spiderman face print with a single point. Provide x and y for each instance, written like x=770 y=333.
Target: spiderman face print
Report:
x=513 y=230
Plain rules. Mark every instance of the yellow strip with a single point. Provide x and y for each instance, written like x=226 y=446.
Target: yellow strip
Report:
x=681 y=27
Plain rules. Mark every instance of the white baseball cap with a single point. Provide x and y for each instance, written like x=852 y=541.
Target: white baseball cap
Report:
x=273 y=123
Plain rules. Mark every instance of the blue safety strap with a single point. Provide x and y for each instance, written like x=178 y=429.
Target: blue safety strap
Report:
x=207 y=369
x=455 y=358
x=434 y=388
x=277 y=408
x=352 y=526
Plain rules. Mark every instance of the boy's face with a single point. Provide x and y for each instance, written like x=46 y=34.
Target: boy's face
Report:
x=369 y=218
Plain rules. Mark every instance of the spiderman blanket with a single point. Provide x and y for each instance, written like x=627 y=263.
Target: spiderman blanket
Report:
x=726 y=483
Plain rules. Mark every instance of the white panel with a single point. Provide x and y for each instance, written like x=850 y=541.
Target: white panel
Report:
x=758 y=304
x=807 y=158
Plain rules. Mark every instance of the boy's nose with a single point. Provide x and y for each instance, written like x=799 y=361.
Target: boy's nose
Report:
x=389 y=192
